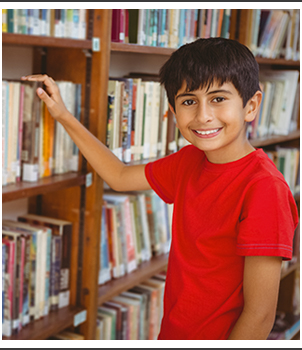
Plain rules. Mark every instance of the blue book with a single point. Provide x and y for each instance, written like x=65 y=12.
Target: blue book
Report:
x=182 y=27
x=163 y=28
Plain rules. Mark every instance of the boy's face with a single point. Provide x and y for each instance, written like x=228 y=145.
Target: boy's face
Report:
x=213 y=120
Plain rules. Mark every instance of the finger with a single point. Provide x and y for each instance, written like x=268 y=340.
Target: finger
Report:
x=44 y=97
x=44 y=78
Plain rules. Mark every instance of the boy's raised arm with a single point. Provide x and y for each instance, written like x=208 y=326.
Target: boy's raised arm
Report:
x=117 y=175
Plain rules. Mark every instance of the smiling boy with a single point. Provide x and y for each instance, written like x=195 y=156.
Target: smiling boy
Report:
x=234 y=215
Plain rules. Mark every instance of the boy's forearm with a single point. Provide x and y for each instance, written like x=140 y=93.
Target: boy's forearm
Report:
x=252 y=327
x=104 y=162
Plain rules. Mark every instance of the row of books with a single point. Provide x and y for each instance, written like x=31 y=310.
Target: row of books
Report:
x=287 y=160
x=35 y=269
x=268 y=33
x=60 y=23
x=134 y=314
x=34 y=145
x=137 y=120
x=135 y=227
x=279 y=111
x=271 y=33
x=168 y=27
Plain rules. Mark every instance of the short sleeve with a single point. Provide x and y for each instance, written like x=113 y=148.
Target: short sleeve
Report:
x=268 y=220
x=162 y=174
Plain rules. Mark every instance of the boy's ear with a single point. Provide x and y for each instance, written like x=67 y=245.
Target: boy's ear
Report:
x=171 y=109
x=253 y=106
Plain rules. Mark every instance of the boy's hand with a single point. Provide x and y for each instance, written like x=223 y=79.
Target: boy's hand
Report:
x=51 y=96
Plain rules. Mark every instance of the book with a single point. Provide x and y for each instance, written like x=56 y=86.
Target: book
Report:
x=61 y=228
x=54 y=290
x=7 y=324
x=30 y=137
x=104 y=270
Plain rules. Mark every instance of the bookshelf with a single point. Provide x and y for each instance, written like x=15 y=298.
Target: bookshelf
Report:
x=69 y=196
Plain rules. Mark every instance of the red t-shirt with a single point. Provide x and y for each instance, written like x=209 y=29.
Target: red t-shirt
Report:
x=222 y=212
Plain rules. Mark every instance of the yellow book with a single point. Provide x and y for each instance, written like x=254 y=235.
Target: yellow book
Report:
x=4 y=20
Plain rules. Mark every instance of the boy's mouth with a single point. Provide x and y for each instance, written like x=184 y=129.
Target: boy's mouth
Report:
x=207 y=133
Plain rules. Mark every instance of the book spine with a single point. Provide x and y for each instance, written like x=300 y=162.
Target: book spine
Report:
x=26 y=281
x=9 y=285
x=55 y=272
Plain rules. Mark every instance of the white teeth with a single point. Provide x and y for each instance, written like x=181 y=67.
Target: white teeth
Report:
x=206 y=132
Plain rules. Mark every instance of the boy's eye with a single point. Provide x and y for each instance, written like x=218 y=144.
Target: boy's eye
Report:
x=218 y=99
x=189 y=102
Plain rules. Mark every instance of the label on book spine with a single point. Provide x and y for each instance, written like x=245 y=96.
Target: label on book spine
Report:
x=30 y=172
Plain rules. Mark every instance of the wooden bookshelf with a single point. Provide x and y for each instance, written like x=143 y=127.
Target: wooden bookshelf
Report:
x=42 y=186
x=143 y=272
x=276 y=139
x=60 y=194
x=54 y=323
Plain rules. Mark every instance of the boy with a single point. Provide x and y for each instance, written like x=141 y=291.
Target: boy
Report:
x=234 y=215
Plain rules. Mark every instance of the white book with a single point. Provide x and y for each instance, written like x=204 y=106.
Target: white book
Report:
x=82 y=23
x=4 y=130
x=145 y=226
x=148 y=117
x=154 y=119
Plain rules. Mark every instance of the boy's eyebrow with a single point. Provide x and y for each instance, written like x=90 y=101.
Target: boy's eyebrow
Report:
x=208 y=93
x=218 y=91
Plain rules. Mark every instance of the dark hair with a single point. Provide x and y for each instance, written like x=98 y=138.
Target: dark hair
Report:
x=205 y=61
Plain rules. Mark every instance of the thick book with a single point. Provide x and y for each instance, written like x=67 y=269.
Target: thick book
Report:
x=61 y=228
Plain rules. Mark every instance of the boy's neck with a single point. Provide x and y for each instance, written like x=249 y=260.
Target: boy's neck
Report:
x=229 y=155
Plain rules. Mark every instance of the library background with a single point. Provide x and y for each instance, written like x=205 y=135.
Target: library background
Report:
x=78 y=260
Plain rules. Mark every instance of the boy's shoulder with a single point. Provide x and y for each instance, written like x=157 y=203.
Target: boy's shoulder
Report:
x=264 y=169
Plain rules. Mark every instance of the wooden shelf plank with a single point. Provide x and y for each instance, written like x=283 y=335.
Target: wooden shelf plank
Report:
x=44 y=41
x=145 y=271
x=54 y=323
x=275 y=139
x=142 y=49
x=42 y=186
x=121 y=47
x=277 y=62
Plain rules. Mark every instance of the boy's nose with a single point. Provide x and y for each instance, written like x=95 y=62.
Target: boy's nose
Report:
x=204 y=114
